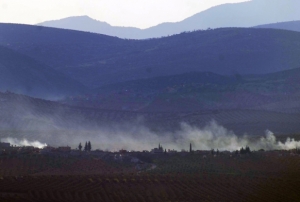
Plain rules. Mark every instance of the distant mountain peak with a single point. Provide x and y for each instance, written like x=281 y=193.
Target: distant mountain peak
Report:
x=244 y=14
x=71 y=19
x=85 y=16
x=88 y=24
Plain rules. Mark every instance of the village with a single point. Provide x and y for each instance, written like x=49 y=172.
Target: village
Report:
x=7 y=149
x=140 y=160
x=34 y=168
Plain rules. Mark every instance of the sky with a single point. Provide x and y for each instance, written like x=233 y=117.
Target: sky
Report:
x=129 y=13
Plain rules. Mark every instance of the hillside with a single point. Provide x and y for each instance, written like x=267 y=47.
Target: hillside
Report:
x=96 y=60
x=291 y=25
x=57 y=124
x=22 y=74
x=244 y=14
x=197 y=91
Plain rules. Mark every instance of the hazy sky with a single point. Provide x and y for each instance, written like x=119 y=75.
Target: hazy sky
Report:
x=135 y=13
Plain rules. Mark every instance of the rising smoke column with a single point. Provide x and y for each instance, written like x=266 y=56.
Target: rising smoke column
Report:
x=215 y=136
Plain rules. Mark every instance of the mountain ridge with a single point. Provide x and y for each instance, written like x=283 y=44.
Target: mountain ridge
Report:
x=290 y=25
x=90 y=25
x=224 y=15
x=96 y=60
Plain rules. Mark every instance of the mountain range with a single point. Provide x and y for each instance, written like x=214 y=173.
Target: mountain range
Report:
x=96 y=60
x=245 y=14
x=247 y=79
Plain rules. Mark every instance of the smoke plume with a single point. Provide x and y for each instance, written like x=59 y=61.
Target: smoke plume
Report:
x=136 y=136
x=215 y=136
x=139 y=137
x=23 y=142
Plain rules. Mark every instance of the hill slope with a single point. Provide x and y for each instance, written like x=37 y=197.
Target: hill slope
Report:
x=22 y=74
x=95 y=60
x=245 y=14
x=197 y=91
x=56 y=124
x=292 y=26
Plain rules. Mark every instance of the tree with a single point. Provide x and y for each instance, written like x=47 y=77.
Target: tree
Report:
x=247 y=151
x=89 y=146
x=212 y=151
x=242 y=150
x=85 y=146
x=80 y=147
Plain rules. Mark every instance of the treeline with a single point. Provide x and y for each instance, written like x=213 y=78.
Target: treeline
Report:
x=87 y=146
x=241 y=151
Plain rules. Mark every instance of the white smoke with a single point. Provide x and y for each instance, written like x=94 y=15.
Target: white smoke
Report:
x=269 y=142
x=212 y=136
x=23 y=142
x=137 y=137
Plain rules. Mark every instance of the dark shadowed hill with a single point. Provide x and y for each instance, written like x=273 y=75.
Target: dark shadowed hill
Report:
x=95 y=59
x=22 y=74
x=197 y=91
x=292 y=26
x=244 y=14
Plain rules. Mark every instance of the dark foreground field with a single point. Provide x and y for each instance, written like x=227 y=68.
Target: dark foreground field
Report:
x=260 y=176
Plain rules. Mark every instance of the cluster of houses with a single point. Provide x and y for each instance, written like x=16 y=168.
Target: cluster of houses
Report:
x=7 y=148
